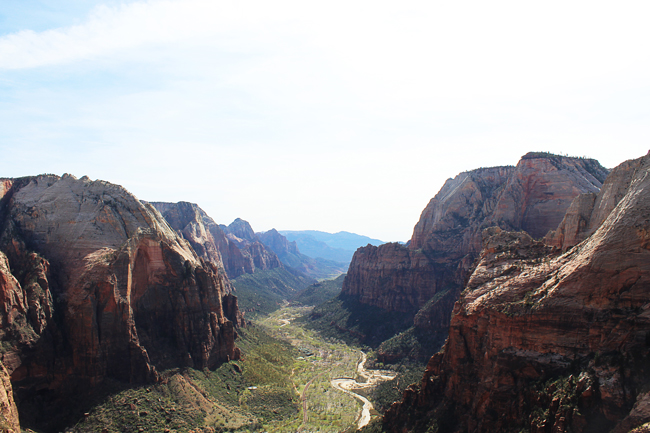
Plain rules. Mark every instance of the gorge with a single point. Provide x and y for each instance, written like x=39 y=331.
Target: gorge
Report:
x=530 y=282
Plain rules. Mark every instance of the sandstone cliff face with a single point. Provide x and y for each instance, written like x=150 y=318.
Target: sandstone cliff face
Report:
x=544 y=341
x=9 y=422
x=588 y=211
x=234 y=248
x=254 y=255
x=532 y=196
x=278 y=243
x=130 y=295
x=195 y=226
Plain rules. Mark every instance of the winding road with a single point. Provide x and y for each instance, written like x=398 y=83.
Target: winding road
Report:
x=348 y=385
x=372 y=377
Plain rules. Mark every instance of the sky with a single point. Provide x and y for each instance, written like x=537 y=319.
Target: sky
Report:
x=323 y=115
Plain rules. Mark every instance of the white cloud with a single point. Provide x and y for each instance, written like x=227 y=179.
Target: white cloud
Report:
x=364 y=105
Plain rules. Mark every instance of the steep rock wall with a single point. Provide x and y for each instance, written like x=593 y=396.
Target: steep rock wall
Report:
x=546 y=342
x=219 y=244
x=532 y=196
x=104 y=288
x=9 y=422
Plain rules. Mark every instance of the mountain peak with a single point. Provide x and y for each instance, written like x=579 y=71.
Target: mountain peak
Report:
x=242 y=229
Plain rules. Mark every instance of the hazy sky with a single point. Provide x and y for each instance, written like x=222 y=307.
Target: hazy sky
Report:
x=327 y=115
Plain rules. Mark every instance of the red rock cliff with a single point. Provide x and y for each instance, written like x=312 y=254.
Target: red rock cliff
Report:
x=9 y=422
x=130 y=295
x=532 y=196
x=245 y=251
x=544 y=342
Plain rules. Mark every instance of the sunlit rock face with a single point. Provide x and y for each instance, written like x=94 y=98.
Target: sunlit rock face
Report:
x=95 y=284
x=588 y=211
x=427 y=275
x=9 y=421
x=546 y=341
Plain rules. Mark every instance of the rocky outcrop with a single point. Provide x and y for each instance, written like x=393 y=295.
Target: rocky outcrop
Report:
x=428 y=274
x=588 y=211
x=9 y=422
x=99 y=286
x=254 y=255
x=393 y=277
x=241 y=229
x=545 y=341
x=278 y=243
x=219 y=244
x=195 y=226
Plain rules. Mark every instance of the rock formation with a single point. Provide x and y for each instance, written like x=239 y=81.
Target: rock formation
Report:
x=256 y=256
x=9 y=422
x=545 y=341
x=194 y=225
x=425 y=277
x=588 y=211
x=227 y=251
x=95 y=284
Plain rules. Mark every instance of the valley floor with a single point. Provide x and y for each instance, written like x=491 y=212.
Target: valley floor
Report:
x=290 y=379
x=329 y=375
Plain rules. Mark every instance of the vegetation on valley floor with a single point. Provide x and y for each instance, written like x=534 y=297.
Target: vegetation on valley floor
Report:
x=281 y=384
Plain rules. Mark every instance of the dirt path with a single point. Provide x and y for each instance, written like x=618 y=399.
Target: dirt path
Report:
x=373 y=377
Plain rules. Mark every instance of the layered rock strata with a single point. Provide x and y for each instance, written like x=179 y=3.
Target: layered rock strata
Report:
x=542 y=341
x=240 y=235
x=219 y=244
x=427 y=275
x=95 y=285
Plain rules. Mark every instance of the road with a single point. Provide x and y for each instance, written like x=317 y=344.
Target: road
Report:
x=372 y=377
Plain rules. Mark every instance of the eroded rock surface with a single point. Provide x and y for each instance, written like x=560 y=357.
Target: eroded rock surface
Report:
x=9 y=422
x=219 y=244
x=96 y=285
x=427 y=275
x=546 y=341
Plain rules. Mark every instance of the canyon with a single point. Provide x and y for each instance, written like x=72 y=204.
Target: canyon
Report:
x=529 y=282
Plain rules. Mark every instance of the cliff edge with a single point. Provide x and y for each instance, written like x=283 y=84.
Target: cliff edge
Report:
x=545 y=341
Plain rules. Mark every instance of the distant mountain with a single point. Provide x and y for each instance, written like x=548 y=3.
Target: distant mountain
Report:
x=339 y=246
x=290 y=255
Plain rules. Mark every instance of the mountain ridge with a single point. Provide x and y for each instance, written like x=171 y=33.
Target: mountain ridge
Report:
x=546 y=339
x=338 y=246
x=98 y=286
x=424 y=278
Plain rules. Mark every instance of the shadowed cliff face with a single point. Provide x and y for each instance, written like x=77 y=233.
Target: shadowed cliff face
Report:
x=99 y=286
x=428 y=274
x=195 y=226
x=549 y=342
